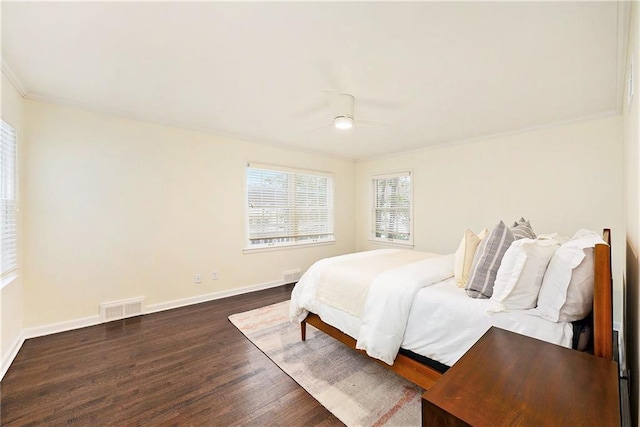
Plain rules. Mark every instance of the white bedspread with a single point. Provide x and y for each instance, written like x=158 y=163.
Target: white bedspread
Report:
x=387 y=303
x=441 y=323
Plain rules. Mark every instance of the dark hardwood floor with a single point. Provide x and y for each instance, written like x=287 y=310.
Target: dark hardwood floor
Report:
x=187 y=366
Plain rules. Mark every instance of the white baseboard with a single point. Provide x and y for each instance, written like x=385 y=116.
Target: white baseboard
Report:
x=54 y=328
x=7 y=359
x=83 y=322
x=39 y=331
x=153 y=308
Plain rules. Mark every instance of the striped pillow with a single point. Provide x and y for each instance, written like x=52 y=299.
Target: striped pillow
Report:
x=521 y=229
x=487 y=261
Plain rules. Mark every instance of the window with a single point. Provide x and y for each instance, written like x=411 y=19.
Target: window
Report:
x=288 y=206
x=8 y=201
x=391 y=213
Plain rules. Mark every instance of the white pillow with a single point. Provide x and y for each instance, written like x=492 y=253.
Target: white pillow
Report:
x=520 y=275
x=566 y=294
x=464 y=255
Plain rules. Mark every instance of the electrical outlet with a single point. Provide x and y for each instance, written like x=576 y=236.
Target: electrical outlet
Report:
x=214 y=275
x=197 y=279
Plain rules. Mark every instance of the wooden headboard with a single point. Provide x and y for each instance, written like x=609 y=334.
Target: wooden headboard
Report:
x=603 y=299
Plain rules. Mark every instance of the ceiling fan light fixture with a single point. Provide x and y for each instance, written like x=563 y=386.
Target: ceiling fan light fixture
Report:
x=343 y=122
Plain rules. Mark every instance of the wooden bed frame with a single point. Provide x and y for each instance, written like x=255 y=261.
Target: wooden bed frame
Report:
x=602 y=331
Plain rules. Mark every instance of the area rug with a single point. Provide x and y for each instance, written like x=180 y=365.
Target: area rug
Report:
x=357 y=390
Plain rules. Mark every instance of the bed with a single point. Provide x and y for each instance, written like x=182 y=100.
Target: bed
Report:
x=434 y=336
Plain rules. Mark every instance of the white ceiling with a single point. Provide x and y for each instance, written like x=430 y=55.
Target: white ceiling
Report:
x=434 y=72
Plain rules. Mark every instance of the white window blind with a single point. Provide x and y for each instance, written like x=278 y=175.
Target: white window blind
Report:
x=288 y=206
x=391 y=213
x=8 y=201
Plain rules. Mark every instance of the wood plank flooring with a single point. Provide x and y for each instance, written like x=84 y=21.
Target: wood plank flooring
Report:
x=187 y=366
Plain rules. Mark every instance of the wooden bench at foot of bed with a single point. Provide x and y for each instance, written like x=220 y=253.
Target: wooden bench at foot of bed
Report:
x=602 y=331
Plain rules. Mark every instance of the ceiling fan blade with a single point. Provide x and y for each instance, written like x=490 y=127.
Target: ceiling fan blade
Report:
x=379 y=104
x=330 y=101
x=333 y=75
x=331 y=96
x=312 y=110
x=330 y=125
x=370 y=124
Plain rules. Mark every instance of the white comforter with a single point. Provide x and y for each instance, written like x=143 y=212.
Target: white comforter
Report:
x=386 y=306
x=432 y=317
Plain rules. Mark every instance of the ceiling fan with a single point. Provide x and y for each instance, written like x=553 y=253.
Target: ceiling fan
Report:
x=342 y=106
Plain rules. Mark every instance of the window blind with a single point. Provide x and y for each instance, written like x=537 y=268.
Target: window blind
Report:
x=392 y=207
x=8 y=200
x=288 y=206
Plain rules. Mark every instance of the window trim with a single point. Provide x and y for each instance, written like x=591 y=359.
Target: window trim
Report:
x=265 y=247
x=372 y=220
x=8 y=279
x=9 y=275
x=287 y=246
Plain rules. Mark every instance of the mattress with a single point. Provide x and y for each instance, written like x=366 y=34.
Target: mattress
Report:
x=444 y=322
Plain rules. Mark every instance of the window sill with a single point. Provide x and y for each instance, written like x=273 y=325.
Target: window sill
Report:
x=408 y=245
x=287 y=247
x=6 y=281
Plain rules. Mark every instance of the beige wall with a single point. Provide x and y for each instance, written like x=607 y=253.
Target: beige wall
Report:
x=561 y=179
x=115 y=208
x=11 y=296
x=118 y=208
x=632 y=190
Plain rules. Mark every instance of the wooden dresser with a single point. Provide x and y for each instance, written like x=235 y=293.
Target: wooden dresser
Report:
x=507 y=379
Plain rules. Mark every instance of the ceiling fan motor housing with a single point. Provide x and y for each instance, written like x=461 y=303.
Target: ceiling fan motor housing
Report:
x=343 y=111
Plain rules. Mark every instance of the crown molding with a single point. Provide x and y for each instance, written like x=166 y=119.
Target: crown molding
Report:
x=178 y=124
x=13 y=78
x=624 y=25
x=559 y=123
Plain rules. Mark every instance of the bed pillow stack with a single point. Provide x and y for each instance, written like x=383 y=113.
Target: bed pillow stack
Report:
x=521 y=272
x=566 y=294
x=464 y=255
x=550 y=276
x=489 y=255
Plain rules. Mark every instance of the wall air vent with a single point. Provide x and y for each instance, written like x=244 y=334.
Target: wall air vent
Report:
x=121 y=309
x=291 y=276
